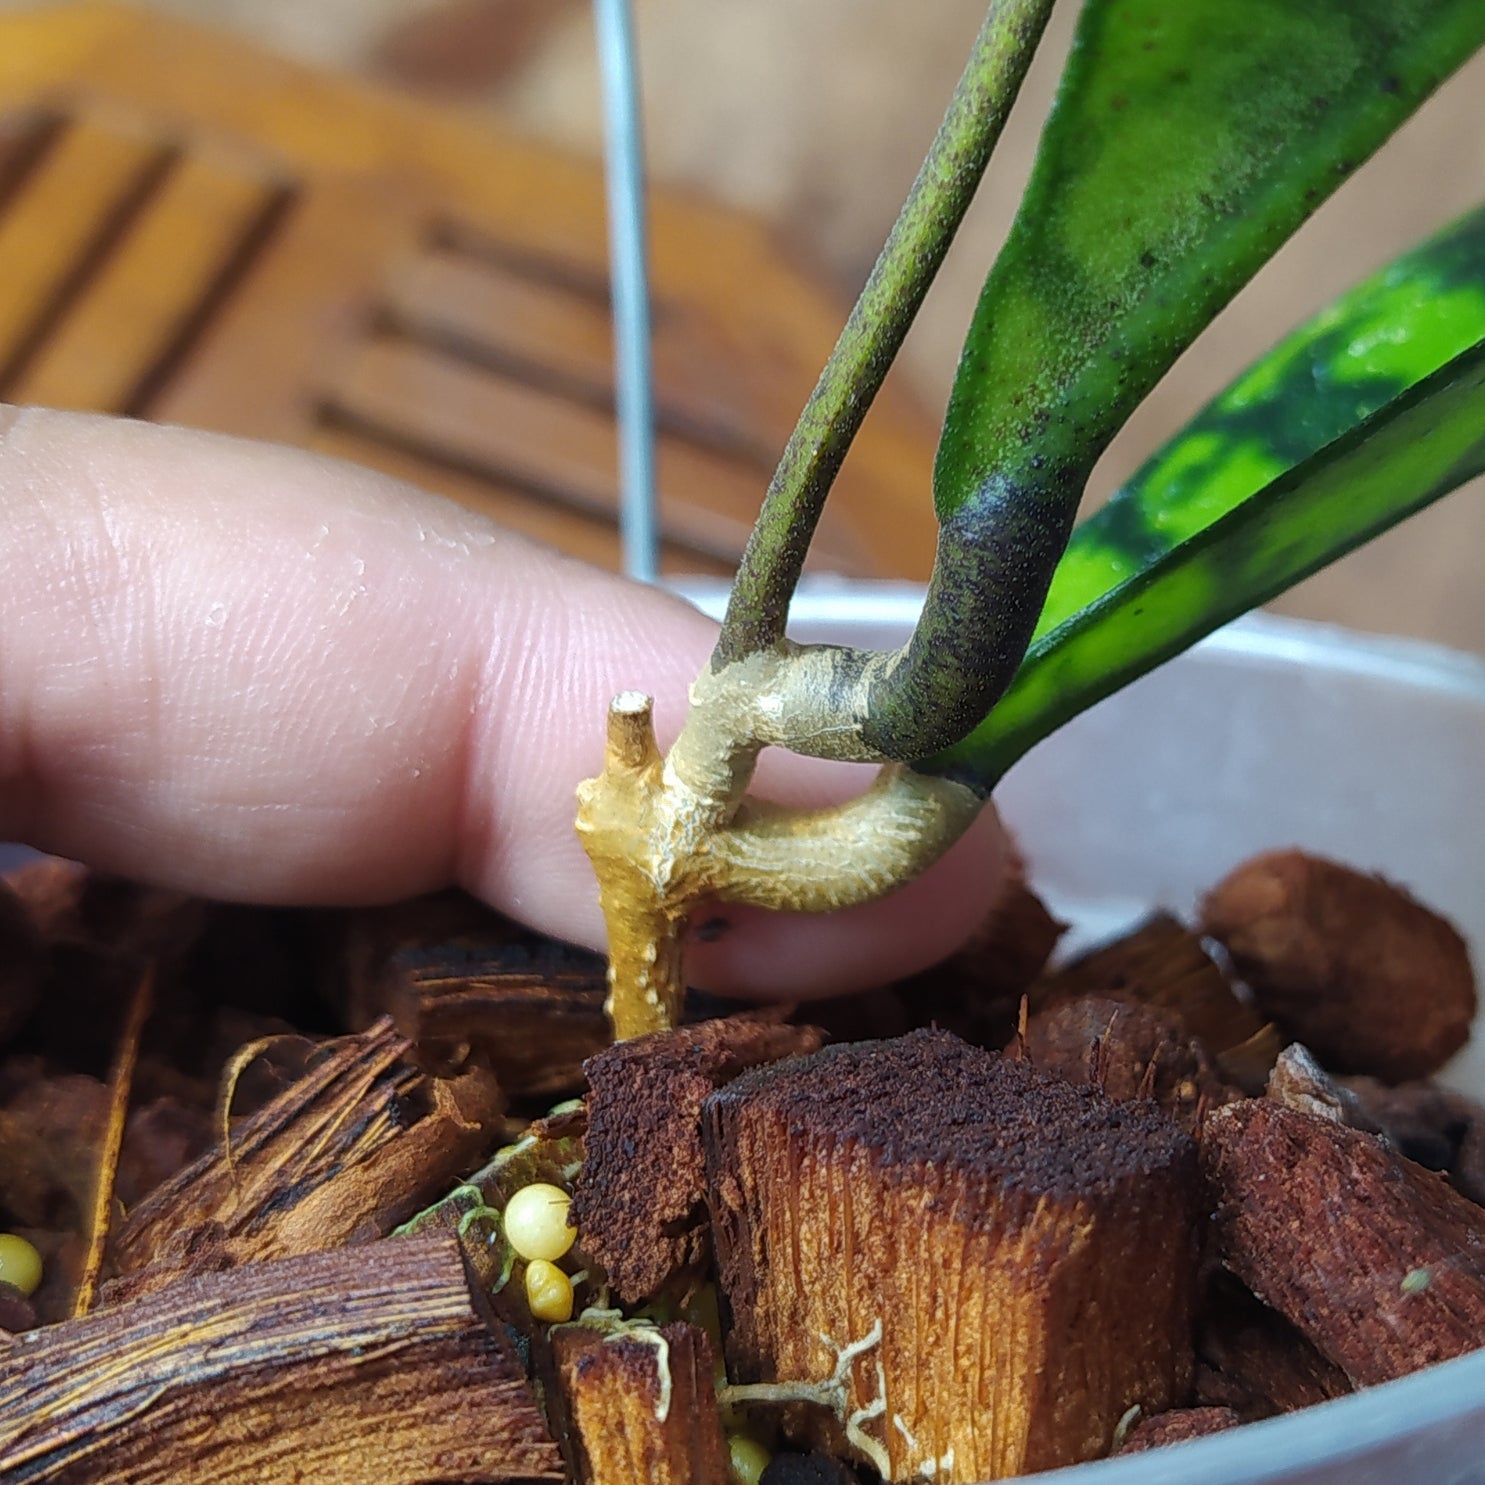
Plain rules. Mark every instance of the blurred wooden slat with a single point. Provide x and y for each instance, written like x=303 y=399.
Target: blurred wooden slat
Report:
x=23 y=137
x=213 y=236
x=260 y=368
x=482 y=308
x=511 y=431
x=592 y=537
x=154 y=284
x=79 y=191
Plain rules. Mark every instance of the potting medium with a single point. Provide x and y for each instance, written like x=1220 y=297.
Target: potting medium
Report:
x=1270 y=733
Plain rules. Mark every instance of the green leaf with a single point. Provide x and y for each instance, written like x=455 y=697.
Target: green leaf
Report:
x=1189 y=139
x=1416 y=448
x=1354 y=357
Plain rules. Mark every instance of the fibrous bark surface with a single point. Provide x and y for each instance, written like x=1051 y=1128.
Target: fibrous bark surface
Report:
x=1380 y=1263
x=999 y=1263
x=640 y=1197
x=1352 y=966
x=447 y=968
x=343 y=1154
x=366 y=1367
x=1161 y=964
x=640 y=1405
x=1176 y=1427
x=1251 y=1359
x=1128 y=1050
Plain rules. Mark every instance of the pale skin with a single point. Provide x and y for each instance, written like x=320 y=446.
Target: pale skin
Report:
x=253 y=673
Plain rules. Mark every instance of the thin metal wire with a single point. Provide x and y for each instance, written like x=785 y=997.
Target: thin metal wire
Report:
x=628 y=271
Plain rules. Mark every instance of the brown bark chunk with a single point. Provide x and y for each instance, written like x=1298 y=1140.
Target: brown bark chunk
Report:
x=1352 y=966
x=1377 y=1261
x=1251 y=1359
x=1176 y=1427
x=367 y=1367
x=1468 y=1171
x=1426 y=1123
x=640 y=1410
x=1006 y=1258
x=1129 y=1051
x=1432 y=1125
x=448 y=968
x=345 y=1153
x=975 y=992
x=1161 y=964
x=639 y=1199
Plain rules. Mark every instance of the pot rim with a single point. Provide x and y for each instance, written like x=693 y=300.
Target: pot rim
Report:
x=852 y=601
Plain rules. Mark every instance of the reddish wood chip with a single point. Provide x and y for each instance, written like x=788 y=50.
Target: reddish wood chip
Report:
x=1349 y=964
x=1129 y=1051
x=1176 y=1427
x=639 y=1199
x=1162 y=964
x=1380 y=1263
x=1251 y=1359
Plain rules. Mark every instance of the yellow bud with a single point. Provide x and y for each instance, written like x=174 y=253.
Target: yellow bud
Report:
x=548 y=1292
x=20 y=1263
x=536 y=1222
x=747 y=1457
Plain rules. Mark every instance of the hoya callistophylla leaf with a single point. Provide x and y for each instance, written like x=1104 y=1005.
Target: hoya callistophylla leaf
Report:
x=1190 y=138
x=1369 y=346
x=1364 y=415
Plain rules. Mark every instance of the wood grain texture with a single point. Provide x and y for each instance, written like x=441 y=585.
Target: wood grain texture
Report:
x=640 y=1407
x=1378 y=1262
x=1001 y=1263
x=369 y=1365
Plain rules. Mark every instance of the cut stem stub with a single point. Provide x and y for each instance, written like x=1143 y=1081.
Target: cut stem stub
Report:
x=666 y=833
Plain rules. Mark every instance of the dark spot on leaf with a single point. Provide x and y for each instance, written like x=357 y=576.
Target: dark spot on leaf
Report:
x=1147 y=260
x=1180 y=76
x=1319 y=104
x=1118 y=103
x=1391 y=84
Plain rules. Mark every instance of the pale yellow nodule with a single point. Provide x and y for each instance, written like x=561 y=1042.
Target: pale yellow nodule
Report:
x=536 y=1222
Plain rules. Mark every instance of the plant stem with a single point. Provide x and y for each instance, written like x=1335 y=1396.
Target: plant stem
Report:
x=868 y=345
x=664 y=834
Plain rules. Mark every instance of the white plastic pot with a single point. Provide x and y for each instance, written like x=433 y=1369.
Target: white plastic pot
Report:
x=1271 y=733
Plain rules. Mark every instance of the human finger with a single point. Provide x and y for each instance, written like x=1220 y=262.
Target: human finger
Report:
x=259 y=674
